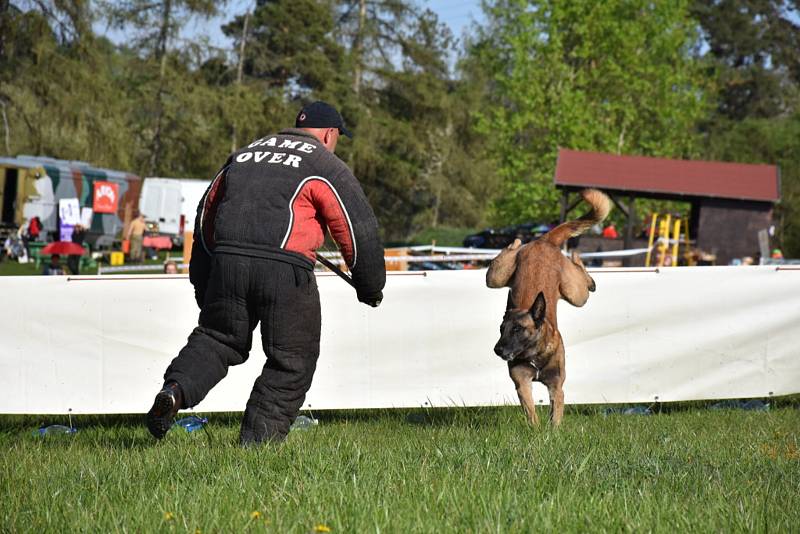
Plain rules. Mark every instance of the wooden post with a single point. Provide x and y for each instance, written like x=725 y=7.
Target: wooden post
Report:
x=396 y=265
x=188 y=239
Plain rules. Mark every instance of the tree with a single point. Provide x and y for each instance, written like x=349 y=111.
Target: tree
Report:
x=752 y=53
x=375 y=31
x=415 y=149
x=162 y=105
x=754 y=46
x=614 y=76
x=52 y=66
x=291 y=46
x=155 y=24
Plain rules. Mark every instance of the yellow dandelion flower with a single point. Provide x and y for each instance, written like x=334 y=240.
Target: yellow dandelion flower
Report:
x=255 y=514
x=169 y=516
x=322 y=528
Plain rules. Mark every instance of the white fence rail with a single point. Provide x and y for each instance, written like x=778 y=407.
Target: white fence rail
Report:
x=101 y=344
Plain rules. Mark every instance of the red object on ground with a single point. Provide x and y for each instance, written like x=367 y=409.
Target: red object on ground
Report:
x=610 y=232
x=157 y=242
x=64 y=248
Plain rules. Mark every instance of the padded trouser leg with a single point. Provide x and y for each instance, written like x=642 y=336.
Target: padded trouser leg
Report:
x=290 y=329
x=225 y=333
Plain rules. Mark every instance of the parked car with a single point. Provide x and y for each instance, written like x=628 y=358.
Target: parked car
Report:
x=502 y=237
x=435 y=266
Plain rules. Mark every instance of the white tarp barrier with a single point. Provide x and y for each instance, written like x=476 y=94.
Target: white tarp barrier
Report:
x=101 y=344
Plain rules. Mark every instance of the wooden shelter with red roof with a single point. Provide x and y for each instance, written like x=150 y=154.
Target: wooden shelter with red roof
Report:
x=730 y=202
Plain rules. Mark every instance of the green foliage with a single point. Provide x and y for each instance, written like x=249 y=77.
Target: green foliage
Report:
x=47 y=88
x=163 y=106
x=415 y=149
x=459 y=143
x=439 y=470
x=607 y=76
x=773 y=141
x=755 y=68
x=443 y=236
x=155 y=23
x=754 y=45
x=289 y=45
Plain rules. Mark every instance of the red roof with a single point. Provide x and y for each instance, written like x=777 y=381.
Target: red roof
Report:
x=667 y=176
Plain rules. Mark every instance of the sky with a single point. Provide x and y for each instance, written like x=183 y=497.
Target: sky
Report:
x=457 y=14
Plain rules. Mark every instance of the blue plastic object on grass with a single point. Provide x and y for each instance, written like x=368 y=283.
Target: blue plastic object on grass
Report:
x=54 y=429
x=191 y=423
x=753 y=405
x=302 y=423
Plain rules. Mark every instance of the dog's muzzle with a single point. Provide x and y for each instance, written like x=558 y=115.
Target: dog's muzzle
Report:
x=504 y=355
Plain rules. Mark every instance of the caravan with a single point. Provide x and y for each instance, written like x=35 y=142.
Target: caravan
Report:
x=39 y=186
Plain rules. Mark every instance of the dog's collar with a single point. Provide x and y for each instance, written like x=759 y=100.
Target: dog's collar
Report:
x=537 y=371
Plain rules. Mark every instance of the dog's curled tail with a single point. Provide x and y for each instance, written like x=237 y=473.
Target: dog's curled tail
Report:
x=600 y=204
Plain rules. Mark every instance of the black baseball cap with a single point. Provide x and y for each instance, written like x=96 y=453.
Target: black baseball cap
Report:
x=320 y=114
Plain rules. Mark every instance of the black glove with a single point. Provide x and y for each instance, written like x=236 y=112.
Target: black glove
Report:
x=373 y=300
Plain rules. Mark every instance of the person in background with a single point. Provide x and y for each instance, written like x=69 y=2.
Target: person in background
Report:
x=30 y=232
x=8 y=249
x=73 y=260
x=53 y=268
x=136 y=237
x=610 y=232
x=170 y=267
x=34 y=228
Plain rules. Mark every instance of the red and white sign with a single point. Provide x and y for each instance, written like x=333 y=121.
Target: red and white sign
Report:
x=106 y=197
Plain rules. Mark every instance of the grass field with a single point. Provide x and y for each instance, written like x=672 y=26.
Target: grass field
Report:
x=13 y=268
x=450 y=470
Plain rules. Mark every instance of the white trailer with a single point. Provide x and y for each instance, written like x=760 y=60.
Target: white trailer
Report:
x=169 y=205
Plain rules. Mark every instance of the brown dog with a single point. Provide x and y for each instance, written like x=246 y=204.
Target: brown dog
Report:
x=538 y=275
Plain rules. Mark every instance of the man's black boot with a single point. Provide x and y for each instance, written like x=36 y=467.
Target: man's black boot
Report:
x=166 y=405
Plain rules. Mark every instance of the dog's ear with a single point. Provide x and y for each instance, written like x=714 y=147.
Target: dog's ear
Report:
x=503 y=266
x=538 y=309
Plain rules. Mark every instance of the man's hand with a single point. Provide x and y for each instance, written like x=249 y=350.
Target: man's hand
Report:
x=373 y=300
